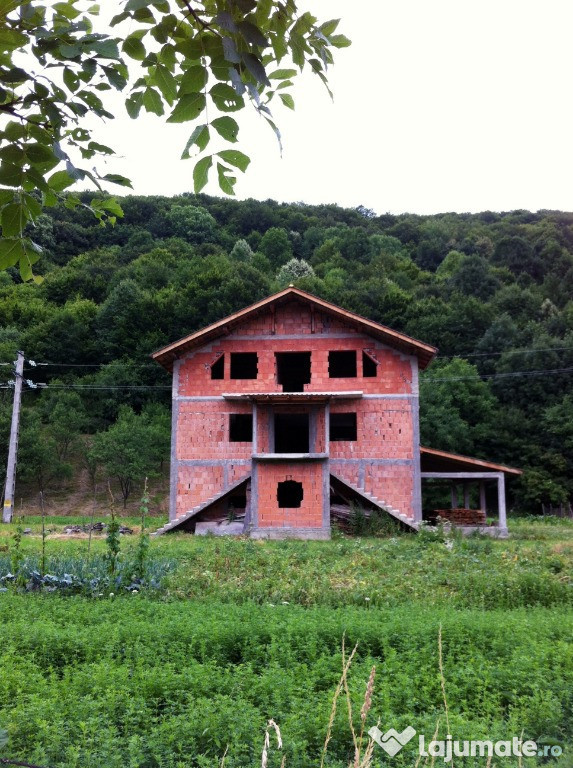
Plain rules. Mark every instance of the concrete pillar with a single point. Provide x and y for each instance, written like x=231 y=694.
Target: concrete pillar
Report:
x=454 y=491
x=466 y=495
x=502 y=521
x=482 y=502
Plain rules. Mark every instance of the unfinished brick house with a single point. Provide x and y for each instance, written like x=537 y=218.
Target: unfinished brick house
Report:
x=288 y=411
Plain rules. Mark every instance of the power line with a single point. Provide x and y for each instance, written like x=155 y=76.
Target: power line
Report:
x=505 y=351
x=509 y=374
x=103 y=386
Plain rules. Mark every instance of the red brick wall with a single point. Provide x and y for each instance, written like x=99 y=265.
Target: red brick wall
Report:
x=385 y=427
x=394 y=371
x=309 y=514
x=203 y=430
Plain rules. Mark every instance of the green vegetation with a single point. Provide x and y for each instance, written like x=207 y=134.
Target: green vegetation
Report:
x=243 y=631
x=197 y=63
x=492 y=291
x=235 y=632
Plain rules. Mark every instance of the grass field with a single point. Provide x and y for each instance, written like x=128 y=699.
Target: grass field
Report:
x=242 y=631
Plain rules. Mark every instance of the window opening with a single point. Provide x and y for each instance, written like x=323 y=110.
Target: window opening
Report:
x=218 y=368
x=291 y=433
x=289 y=494
x=343 y=426
x=369 y=366
x=244 y=365
x=240 y=428
x=293 y=370
x=342 y=364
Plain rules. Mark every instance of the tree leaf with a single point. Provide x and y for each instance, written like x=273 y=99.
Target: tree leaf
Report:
x=287 y=100
x=252 y=34
x=152 y=101
x=230 y=50
x=283 y=74
x=38 y=153
x=225 y=21
x=201 y=173
x=136 y=5
x=189 y=107
x=246 y=6
x=134 y=48
x=115 y=178
x=166 y=83
x=226 y=180
x=236 y=158
x=60 y=180
x=193 y=80
x=111 y=205
x=10 y=175
x=254 y=66
x=13 y=219
x=328 y=27
x=10 y=39
x=133 y=104
x=6 y=196
x=33 y=206
x=225 y=98
x=106 y=49
x=340 y=41
x=11 y=251
x=227 y=127
x=200 y=137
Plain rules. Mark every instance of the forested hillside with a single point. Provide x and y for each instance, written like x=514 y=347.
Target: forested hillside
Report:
x=492 y=291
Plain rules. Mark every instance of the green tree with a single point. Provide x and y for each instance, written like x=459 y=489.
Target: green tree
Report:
x=197 y=63
x=128 y=450
x=241 y=251
x=294 y=270
x=457 y=409
x=194 y=224
x=66 y=418
x=276 y=246
x=38 y=459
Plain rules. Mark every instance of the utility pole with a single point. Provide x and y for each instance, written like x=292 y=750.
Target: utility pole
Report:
x=13 y=447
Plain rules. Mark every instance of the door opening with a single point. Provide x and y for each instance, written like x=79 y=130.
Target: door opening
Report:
x=291 y=433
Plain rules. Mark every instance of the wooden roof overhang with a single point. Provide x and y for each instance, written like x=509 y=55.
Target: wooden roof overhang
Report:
x=291 y=397
x=405 y=344
x=441 y=461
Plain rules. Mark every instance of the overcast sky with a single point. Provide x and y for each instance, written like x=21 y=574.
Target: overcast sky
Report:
x=443 y=105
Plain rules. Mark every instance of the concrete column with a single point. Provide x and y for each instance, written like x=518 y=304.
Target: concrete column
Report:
x=482 y=502
x=255 y=426
x=466 y=496
x=502 y=521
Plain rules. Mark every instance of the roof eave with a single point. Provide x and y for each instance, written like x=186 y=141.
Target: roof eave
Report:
x=408 y=345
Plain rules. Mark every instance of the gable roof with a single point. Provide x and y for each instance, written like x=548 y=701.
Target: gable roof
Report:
x=394 y=339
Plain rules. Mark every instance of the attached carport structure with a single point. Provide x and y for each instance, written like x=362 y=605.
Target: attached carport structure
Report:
x=464 y=471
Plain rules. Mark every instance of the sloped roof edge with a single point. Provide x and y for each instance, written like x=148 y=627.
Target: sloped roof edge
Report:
x=424 y=352
x=465 y=461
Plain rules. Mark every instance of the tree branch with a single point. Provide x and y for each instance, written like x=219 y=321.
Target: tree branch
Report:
x=195 y=15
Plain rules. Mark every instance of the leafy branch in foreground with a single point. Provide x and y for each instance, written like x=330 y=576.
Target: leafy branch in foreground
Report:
x=182 y=58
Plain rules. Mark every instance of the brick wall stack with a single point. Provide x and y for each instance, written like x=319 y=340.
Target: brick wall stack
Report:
x=460 y=516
